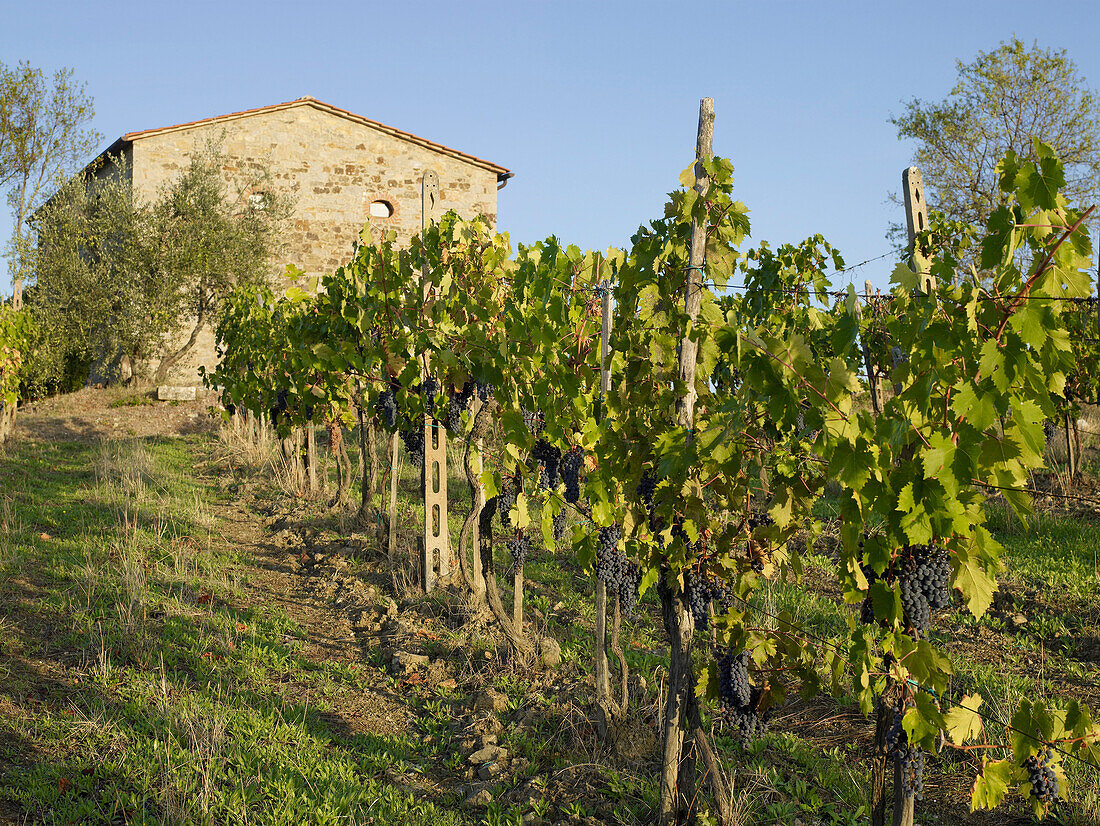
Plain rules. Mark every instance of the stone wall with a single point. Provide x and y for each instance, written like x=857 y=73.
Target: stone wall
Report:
x=332 y=167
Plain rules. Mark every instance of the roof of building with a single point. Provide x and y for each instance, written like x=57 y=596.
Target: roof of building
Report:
x=130 y=137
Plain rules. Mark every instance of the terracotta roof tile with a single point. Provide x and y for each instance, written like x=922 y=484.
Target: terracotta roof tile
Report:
x=324 y=107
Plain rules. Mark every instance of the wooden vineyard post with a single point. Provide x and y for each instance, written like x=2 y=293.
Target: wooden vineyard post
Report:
x=477 y=571
x=678 y=742
x=395 y=466
x=916 y=221
x=1071 y=455
x=603 y=678
x=873 y=381
x=435 y=550
x=311 y=457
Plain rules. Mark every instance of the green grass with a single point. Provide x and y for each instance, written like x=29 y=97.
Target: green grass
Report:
x=131 y=688
x=134 y=687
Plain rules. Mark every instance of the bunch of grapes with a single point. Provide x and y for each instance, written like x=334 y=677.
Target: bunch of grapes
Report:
x=386 y=406
x=506 y=499
x=1049 y=429
x=739 y=699
x=721 y=592
x=429 y=390
x=759 y=519
x=457 y=403
x=734 y=686
x=867 y=609
x=571 y=464
x=309 y=412
x=629 y=585
x=700 y=591
x=621 y=575
x=924 y=575
x=647 y=486
x=231 y=409
x=484 y=391
x=910 y=758
x=520 y=547
x=279 y=408
x=535 y=422
x=414 y=444
x=607 y=553
x=698 y=597
x=1041 y=776
x=678 y=532
x=561 y=521
x=549 y=459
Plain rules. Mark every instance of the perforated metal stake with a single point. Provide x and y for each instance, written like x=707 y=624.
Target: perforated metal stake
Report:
x=435 y=562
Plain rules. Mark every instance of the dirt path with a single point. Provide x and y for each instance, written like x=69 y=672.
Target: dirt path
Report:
x=274 y=574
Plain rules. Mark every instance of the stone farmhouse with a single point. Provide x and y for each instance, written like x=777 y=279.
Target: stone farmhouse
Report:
x=344 y=171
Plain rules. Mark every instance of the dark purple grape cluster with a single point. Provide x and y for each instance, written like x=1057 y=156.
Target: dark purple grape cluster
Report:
x=561 y=522
x=759 y=519
x=867 y=609
x=678 y=532
x=698 y=598
x=279 y=408
x=621 y=575
x=231 y=409
x=647 y=486
x=571 y=464
x=629 y=585
x=457 y=403
x=910 y=758
x=734 y=686
x=534 y=421
x=721 y=593
x=924 y=575
x=700 y=591
x=309 y=412
x=548 y=458
x=520 y=548
x=506 y=498
x=430 y=390
x=386 y=406
x=1041 y=776
x=414 y=444
x=484 y=391
x=739 y=699
x=607 y=552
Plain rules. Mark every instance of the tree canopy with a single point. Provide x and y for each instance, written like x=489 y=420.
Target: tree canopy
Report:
x=1003 y=100
x=117 y=279
x=44 y=135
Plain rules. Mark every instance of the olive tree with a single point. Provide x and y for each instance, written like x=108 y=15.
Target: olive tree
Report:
x=205 y=238
x=116 y=280
x=43 y=137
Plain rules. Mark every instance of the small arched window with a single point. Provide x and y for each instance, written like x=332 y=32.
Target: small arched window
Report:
x=381 y=209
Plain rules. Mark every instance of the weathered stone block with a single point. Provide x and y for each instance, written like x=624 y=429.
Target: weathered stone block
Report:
x=169 y=393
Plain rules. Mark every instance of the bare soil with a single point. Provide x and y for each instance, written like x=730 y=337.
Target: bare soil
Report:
x=93 y=414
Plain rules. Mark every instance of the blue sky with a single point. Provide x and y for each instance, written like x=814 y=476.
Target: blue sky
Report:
x=593 y=105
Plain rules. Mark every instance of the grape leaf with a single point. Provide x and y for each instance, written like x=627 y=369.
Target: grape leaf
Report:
x=963 y=722
x=991 y=786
